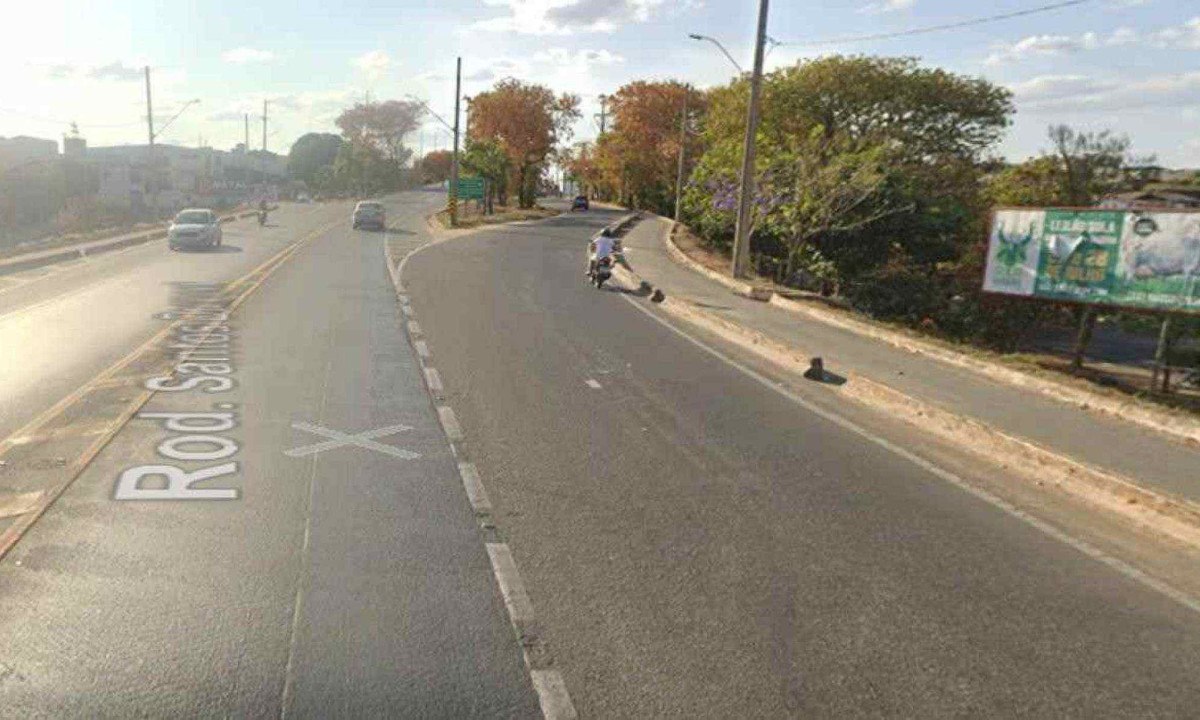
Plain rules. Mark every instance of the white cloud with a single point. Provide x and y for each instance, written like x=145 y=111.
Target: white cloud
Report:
x=116 y=71
x=565 y=17
x=1166 y=93
x=886 y=6
x=581 y=58
x=244 y=55
x=1185 y=36
x=373 y=64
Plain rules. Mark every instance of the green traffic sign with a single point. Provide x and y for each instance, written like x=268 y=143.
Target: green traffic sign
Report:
x=470 y=188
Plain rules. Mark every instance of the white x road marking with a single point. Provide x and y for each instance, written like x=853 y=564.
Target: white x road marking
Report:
x=340 y=439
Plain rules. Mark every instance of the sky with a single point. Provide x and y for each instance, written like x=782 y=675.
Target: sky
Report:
x=1130 y=66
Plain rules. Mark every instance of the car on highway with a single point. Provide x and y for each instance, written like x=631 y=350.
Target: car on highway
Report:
x=369 y=214
x=194 y=227
x=579 y=203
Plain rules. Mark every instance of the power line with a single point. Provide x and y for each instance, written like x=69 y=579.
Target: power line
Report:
x=936 y=28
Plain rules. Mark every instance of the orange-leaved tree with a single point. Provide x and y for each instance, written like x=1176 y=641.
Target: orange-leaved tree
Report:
x=527 y=121
x=638 y=159
x=435 y=166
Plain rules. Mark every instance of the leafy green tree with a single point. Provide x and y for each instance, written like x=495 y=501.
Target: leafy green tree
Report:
x=1036 y=182
x=487 y=159
x=311 y=153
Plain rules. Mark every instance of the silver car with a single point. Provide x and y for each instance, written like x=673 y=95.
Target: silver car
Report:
x=194 y=227
x=369 y=214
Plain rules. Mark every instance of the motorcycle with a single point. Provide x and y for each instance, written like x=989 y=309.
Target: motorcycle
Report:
x=262 y=217
x=602 y=272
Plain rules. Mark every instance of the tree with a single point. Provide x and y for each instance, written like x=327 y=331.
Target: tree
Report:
x=1035 y=182
x=923 y=130
x=1095 y=164
x=581 y=166
x=382 y=127
x=310 y=154
x=435 y=166
x=487 y=159
x=527 y=121
x=638 y=157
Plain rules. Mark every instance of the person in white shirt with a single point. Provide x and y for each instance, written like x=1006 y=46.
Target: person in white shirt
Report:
x=601 y=246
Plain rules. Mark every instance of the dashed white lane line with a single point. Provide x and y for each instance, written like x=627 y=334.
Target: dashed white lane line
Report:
x=422 y=349
x=434 y=381
x=552 y=694
x=474 y=487
x=413 y=328
x=450 y=423
x=592 y=384
x=520 y=609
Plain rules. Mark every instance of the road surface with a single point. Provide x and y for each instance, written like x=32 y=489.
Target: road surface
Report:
x=693 y=542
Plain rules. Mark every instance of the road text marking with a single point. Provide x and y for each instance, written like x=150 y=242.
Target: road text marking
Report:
x=340 y=439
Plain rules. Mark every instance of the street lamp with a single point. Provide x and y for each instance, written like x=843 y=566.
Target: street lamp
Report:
x=720 y=47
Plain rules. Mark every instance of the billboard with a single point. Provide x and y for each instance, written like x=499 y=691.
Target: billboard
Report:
x=1125 y=258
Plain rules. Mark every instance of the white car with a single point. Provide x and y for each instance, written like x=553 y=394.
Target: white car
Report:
x=194 y=227
x=369 y=214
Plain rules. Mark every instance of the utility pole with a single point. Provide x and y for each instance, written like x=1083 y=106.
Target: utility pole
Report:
x=741 y=238
x=262 y=163
x=150 y=147
x=683 y=123
x=246 y=120
x=454 y=159
x=603 y=113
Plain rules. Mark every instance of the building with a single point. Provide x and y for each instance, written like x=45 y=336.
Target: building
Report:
x=22 y=150
x=74 y=147
x=182 y=176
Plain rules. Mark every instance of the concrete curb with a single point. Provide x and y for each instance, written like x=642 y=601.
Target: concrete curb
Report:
x=1175 y=518
x=39 y=259
x=1178 y=427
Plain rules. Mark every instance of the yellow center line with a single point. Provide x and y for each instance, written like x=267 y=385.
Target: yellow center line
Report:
x=10 y=537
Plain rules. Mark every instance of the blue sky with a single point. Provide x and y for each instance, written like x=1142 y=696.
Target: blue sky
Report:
x=1132 y=66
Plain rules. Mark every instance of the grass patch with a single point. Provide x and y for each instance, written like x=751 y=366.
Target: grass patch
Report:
x=502 y=215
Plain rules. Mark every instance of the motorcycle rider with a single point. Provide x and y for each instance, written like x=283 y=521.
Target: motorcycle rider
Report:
x=262 y=210
x=602 y=246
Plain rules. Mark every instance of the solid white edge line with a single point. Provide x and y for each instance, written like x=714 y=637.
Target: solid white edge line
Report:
x=520 y=609
x=450 y=423
x=474 y=487
x=434 y=381
x=552 y=694
x=1086 y=548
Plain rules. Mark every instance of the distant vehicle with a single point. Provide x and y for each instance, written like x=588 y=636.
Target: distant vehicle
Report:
x=579 y=203
x=369 y=214
x=302 y=198
x=194 y=227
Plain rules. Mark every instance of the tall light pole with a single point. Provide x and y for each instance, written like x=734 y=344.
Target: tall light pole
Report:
x=150 y=146
x=741 y=233
x=720 y=47
x=454 y=159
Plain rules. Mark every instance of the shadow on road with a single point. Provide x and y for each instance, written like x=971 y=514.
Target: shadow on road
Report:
x=220 y=249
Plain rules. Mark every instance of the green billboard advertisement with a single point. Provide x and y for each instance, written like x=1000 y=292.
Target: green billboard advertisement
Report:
x=1123 y=258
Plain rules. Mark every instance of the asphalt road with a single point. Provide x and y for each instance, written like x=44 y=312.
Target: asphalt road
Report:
x=697 y=545
x=693 y=543
x=68 y=321
x=339 y=575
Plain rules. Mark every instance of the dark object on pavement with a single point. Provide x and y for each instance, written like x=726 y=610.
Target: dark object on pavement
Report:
x=579 y=203
x=816 y=369
x=658 y=296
